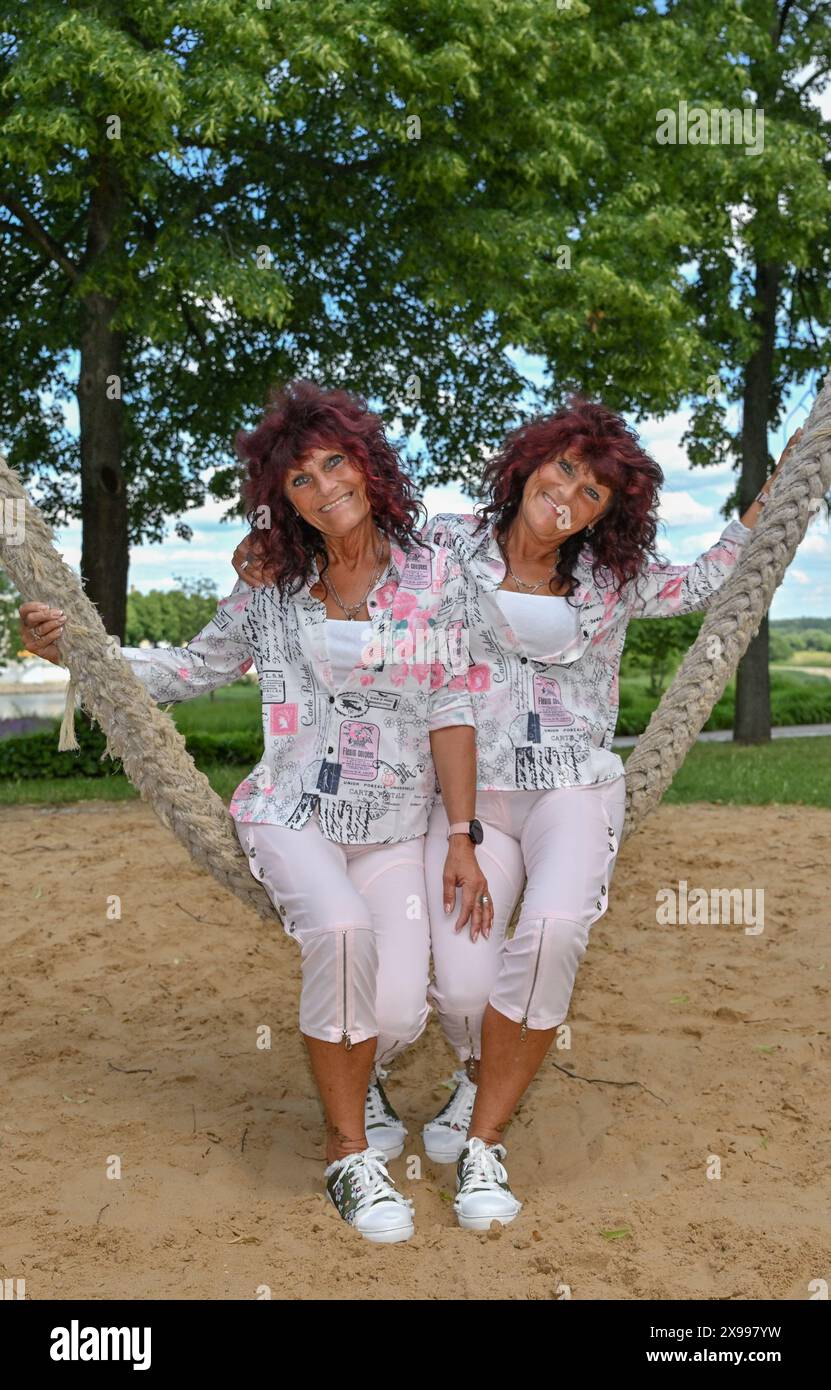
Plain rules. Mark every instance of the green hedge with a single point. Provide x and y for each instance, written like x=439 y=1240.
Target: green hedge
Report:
x=794 y=705
x=36 y=755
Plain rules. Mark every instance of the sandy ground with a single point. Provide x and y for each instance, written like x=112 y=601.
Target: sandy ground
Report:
x=136 y=1039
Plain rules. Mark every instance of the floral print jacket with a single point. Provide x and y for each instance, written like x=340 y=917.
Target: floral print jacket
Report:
x=359 y=754
x=551 y=725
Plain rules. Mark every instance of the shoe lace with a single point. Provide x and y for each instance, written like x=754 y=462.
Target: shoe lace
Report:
x=378 y=1109
x=459 y=1108
x=481 y=1166
x=373 y=1181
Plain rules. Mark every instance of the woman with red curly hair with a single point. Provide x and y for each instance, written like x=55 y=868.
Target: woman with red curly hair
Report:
x=353 y=638
x=558 y=562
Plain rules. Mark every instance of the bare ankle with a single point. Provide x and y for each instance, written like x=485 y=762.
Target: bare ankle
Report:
x=488 y=1136
x=340 y=1144
x=333 y=1154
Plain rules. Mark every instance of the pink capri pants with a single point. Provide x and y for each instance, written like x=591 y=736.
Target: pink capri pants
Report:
x=359 y=913
x=566 y=841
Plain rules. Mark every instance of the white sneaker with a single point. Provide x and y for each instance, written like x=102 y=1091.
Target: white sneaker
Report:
x=445 y=1136
x=384 y=1129
x=364 y=1194
x=483 y=1194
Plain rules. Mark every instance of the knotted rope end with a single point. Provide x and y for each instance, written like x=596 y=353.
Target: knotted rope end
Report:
x=67 y=742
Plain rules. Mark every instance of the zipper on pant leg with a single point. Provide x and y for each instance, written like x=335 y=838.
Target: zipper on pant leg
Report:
x=523 y=1032
x=345 y=1023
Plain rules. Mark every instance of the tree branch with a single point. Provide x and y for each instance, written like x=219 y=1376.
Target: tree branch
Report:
x=41 y=237
x=192 y=324
x=809 y=82
x=807 y=314
x=783 y=18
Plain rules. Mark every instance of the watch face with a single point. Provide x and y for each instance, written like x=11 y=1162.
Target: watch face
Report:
x=477 y=834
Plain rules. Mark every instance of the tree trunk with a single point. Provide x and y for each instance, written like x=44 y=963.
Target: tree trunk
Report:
x=752 y=717
x=104 y=543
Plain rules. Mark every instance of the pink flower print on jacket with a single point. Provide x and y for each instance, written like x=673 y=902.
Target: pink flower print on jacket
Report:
x=478 y=678
x=438 y=671
x=386 y=595
x=671 y=592
x=403 y=603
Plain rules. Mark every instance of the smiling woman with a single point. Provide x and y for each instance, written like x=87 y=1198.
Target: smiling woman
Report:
x=333 y=817
x=318 y=465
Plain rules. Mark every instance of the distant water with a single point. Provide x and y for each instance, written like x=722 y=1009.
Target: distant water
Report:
x=43 y=704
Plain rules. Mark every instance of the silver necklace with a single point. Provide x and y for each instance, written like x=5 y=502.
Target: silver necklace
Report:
x=520 y=583
x=353 y=608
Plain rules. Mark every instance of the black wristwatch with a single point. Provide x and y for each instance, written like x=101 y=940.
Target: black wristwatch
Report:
x=473 y=828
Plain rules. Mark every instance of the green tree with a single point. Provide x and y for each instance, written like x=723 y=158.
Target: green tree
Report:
x=203 y=198
x=206 y=197
x=651 y=644
x=761 y=291
x=170 y=615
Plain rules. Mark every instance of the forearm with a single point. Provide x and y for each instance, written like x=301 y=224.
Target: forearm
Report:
x=754 y=511
x=454 y=757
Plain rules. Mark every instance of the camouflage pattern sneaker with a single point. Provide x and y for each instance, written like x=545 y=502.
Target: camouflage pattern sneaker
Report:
x=445 y=1136
x=384 y=1129
x=362 y=1190
x=483 y=1194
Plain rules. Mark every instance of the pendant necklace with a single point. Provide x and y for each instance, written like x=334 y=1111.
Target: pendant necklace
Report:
x=352 y=609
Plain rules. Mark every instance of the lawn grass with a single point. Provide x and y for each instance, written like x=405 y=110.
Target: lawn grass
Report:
x=795 y=770
x=234 y=707
x=224 y=778
x=808 y=659
x=786 y=770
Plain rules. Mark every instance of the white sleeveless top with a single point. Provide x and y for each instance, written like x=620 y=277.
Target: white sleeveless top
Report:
x=544 y=625
x=345 y=641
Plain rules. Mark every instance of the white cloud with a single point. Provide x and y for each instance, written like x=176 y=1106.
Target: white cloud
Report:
x=680 y=509
x=815 y=544
x=446 y=498
x=71 y=554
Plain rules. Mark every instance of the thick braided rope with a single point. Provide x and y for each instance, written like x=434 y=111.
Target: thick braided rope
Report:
x=733 y=618
x=153 y=751
x=146 y=739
